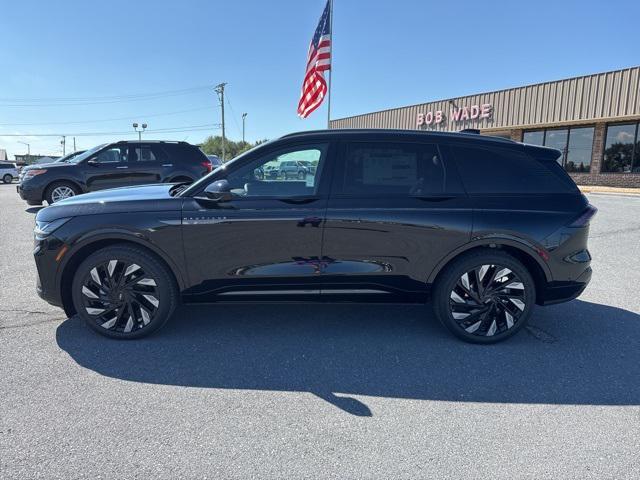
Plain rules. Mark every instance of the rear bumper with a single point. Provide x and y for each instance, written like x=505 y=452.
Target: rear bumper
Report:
x=559 y=292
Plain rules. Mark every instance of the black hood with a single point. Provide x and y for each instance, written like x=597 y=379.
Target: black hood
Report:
x=154 y=197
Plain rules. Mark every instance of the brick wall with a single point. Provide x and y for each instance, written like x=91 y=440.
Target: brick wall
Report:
x=628 y=180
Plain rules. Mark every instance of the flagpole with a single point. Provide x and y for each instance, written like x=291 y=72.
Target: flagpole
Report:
x=331 y=69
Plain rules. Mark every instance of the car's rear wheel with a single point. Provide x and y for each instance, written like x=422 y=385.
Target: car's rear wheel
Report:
x=7 y=178
x=302 y=175
x=484 y=297
x=60 y=191
x=124 y=292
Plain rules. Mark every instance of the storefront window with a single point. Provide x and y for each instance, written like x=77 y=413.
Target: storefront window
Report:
x=534 y=137
x=579 y=151
x=619 y=149
x=576 y=145
x=557 y=139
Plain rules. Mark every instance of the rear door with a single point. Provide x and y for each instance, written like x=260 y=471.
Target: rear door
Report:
x=146 y=163
x=395 y=210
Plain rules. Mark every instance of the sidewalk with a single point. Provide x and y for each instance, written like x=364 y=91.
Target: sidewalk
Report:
x=613 y=190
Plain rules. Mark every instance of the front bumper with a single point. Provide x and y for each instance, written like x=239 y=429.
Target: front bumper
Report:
x=33 y=196
x=44 y=254
x=559 y=292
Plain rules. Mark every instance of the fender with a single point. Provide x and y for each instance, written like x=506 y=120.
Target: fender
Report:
x=115 y=234
x=524 y=246
x=176 y=174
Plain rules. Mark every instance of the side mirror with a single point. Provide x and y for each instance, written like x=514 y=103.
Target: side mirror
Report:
x=219 y=191
x=93 y=162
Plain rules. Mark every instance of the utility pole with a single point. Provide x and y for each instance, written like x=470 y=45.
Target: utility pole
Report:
x=74 y=144
x=244 y=115
x=219 y=89
x=63 y=142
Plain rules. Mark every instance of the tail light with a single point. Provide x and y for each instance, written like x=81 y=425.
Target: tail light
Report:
x=208 y=165
x=584 y=217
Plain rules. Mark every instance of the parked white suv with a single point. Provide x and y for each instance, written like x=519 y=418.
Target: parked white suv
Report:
x=8 y=171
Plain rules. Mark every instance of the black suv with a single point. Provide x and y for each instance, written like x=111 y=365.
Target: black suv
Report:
x=484 y=227
x=112 y=165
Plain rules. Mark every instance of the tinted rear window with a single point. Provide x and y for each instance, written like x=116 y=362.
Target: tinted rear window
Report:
x=494 y=169
x=393 y=169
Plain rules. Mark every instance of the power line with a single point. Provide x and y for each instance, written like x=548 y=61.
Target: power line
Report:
x=233 y=114
x=81 y=122
x=189 y=128
x=79 y=101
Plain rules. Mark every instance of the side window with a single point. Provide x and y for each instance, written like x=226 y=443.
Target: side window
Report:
x=504 y=170
x=113 y=155
x=393 y=169
x=266 y=176
x=148 y=153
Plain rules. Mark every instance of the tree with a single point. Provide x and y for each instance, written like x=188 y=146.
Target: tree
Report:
x=213 y=146
x=617 y=158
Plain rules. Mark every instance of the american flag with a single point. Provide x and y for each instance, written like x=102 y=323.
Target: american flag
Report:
x=314 y=87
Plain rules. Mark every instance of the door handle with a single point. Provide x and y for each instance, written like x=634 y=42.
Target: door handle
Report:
x=299 y=200
x=167 y=164
x=121 y=168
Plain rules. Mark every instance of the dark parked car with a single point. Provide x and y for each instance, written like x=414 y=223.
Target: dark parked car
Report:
x=484 y=227
x=124 y=163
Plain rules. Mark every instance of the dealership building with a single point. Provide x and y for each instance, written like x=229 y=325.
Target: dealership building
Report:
x=594 y=120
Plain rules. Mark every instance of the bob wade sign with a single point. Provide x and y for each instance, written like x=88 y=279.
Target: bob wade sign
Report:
x=457 y=114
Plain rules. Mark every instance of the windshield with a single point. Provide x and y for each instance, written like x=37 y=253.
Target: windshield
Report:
x=204 y=180
x=66 y=158
x=86 y=154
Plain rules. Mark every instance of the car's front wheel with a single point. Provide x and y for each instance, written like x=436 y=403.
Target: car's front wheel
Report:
x=60 y=191
x=7 y=178
x=484 y=297
x=124 y=292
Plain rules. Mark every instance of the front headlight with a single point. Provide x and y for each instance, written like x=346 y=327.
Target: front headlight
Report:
x=33 y=173
x=44 y=229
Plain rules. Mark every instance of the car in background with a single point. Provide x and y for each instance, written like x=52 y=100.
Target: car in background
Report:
x=38 y=164
x=8 y=171
x=483 y=228
x=296 y=169
x=117 y=164
x=215 y=161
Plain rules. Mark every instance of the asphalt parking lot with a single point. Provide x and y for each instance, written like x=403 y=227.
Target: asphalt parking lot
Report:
x=324 y=391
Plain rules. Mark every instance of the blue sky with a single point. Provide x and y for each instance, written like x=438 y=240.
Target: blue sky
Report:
x=386 y=54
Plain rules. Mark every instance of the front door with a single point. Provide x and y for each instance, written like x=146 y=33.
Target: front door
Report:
x=396 y=209
x=109 y=168
x=266 y=242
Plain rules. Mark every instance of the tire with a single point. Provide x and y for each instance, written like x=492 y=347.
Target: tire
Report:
x=302 y=175
x=488 y=313
x=7 y=178
x=135 y=309
x=57 y=188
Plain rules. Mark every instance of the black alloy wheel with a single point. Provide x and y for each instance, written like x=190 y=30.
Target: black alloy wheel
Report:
x=485 y=298
x=124 y=292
